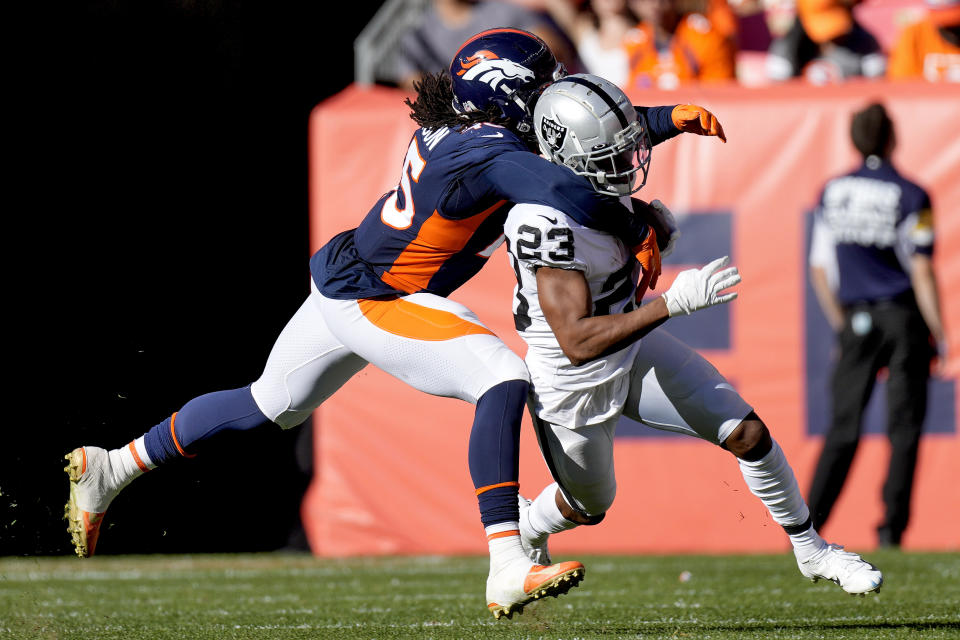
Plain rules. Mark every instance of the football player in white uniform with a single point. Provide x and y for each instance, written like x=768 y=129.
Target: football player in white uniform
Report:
x=594 y=354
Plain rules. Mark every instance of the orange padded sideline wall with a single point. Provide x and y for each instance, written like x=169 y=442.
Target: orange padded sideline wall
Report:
x=391 y=463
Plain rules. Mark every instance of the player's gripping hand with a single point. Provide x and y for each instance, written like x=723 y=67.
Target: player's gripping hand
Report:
x=648 y=255
x=665 y=217
x=696 y=289
x=691 y=118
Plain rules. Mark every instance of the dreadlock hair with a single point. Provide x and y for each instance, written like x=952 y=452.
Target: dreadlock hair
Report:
x=433 y=107
x=871 y=130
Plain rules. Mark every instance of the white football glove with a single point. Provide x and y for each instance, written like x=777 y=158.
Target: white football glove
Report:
x=670 y=223
x=696 y=289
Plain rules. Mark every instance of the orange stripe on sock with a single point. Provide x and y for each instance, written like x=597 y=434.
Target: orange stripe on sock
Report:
x=494 y=486
x=83 y=450
x=136 y=457
x=503 y=534
x=173 y=432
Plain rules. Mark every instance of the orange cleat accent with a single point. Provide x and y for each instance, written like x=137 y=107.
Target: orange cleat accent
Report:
x=541 y=576
x=542 y=581
x=83 y=526
x=91 y=528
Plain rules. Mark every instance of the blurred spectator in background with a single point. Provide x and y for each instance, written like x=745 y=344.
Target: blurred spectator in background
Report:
x=681 y=41
x=447 y=24
x=752 y=22
x=825 y=44
x=930 y=48
x=871 y=268
x=598 y=29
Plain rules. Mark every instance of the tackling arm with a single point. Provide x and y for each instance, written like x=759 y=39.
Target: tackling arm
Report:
x=520 y=176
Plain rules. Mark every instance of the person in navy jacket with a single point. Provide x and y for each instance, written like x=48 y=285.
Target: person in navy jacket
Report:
x=871 y=268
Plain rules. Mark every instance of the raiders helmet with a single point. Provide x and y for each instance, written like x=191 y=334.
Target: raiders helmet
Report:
x=589 y=125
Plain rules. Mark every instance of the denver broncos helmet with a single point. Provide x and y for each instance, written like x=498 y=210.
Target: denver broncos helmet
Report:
x=503 y=67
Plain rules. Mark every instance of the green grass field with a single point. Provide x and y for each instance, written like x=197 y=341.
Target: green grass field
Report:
x=293 y=596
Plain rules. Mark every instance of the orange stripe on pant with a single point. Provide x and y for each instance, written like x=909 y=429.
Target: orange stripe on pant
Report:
x=409 y=320
x=173 y=432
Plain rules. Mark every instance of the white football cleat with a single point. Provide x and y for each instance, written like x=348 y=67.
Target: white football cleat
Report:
x=515 y=585
x=854 y=574
x=535 y=549
x=92 y=488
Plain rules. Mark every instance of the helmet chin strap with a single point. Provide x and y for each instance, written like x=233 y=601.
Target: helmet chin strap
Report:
x=522 y=126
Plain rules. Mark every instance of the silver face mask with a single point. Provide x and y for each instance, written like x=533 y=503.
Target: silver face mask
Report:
x=589 y=125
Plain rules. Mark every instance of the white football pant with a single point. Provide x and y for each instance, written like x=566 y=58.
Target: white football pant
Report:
x=433 y=344
x=672 y=388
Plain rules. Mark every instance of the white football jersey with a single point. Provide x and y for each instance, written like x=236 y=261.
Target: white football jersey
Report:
x=540 y=236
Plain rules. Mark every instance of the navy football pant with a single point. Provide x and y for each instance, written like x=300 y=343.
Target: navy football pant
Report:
x=891 y=335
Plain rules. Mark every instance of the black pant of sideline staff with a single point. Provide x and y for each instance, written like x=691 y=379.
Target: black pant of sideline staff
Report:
x=875 y=335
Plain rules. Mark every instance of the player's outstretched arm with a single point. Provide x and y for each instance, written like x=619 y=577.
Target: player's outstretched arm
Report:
x=669 y=121
x=565 y=300
x=691 y=118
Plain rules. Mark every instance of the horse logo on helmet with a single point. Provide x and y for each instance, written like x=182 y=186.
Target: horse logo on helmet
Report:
x=490 y=68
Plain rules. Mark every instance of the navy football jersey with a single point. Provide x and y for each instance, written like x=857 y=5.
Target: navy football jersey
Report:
x=866 y=226
x=437 y=229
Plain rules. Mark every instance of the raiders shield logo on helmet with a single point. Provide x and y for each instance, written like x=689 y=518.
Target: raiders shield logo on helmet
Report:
x=553 y=132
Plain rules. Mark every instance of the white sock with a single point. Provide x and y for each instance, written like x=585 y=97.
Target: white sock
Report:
x=126 y=463
x=544 y=517
x=503 y=539
x=771 y=479
x=807 y=543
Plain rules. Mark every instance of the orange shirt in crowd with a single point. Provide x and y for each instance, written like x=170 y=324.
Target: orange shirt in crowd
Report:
x=921 y=52
x=723 y=19
x=825 y=20
x=698 y=51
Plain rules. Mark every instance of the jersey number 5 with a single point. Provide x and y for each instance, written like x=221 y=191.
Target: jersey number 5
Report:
x=530 y=238
x=398 y=209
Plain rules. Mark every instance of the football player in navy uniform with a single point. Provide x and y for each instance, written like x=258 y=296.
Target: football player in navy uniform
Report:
x=872 y=270
x=379 y=295
x=595 y=355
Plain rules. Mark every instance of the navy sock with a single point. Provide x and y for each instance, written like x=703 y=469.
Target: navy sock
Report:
x=495 y=451
x=201 y=418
